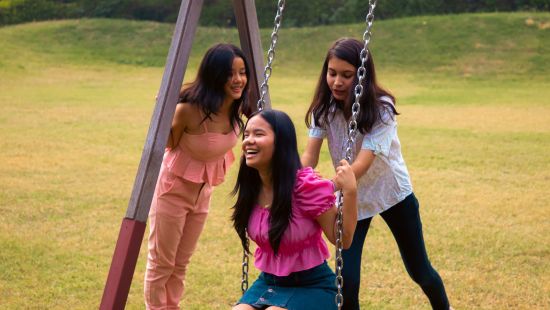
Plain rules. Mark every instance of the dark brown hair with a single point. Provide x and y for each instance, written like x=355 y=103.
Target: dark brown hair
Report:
x=285 y=163
x=349 y=50
x=207 y=90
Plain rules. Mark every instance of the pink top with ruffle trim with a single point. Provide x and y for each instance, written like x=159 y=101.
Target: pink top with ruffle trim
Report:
x=302 y=246
x=202 y=158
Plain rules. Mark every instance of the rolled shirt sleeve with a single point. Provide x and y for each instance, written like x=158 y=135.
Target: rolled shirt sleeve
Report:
x=316 y=131
x=379 y=139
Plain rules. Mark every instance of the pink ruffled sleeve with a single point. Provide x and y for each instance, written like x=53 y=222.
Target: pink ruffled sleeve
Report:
x=313 y=196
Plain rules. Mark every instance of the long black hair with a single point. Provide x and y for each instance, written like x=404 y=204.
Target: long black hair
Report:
x=349 y=50
x=285 y=163
x=207 y=90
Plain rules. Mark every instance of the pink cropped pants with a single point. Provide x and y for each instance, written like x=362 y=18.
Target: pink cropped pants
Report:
x=177 y=216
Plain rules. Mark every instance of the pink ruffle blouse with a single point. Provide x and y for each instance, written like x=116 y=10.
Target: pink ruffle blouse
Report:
x=302 y=246
x=202 y=158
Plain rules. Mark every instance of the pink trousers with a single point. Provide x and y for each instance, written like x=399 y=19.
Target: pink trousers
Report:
x=177 y=216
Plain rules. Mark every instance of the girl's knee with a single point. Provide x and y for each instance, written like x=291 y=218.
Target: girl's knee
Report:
x=426 y=278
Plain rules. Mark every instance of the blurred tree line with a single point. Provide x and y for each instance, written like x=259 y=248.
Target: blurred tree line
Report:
x=220 y=12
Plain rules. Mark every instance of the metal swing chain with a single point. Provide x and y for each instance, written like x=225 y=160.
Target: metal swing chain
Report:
x=261 y=102
x=352 y=132
x=271 y=53
x=244 y=279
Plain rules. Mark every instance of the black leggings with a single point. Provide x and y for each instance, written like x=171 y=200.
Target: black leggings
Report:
x=403 y=219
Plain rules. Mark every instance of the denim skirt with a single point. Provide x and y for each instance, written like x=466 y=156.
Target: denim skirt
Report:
x=311 y=289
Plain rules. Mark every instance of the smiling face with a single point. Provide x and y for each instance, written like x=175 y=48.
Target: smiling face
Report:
x=236 y=81
x=340 y=77
x=258 y=144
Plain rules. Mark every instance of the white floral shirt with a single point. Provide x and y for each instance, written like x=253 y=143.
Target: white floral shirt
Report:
x=387 y=180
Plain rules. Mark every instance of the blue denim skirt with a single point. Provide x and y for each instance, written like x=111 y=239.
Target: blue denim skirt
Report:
x=311 y=289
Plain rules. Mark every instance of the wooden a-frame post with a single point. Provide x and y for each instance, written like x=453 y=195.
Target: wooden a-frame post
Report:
x=133 y=225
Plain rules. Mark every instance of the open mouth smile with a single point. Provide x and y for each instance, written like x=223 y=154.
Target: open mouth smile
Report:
x=250 y=153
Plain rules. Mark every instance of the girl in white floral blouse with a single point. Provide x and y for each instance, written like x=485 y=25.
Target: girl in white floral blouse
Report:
x=384 y=185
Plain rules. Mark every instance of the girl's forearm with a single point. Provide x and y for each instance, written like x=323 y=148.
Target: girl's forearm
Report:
x=309 y=161
x=349 y=217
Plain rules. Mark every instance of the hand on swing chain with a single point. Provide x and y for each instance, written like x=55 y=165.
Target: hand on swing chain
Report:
x=345 y=178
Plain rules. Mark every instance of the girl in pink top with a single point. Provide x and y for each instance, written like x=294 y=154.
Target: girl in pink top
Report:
x=204 y=130
x=285 y=208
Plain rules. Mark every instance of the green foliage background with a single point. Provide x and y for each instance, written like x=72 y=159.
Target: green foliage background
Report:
x=219 y=12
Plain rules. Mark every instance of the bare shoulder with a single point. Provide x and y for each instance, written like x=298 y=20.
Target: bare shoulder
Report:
x=186 y=112
x=185 y=108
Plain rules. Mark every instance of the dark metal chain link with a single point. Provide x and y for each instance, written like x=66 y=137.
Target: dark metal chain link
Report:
x=244 y=279
x=352 y=132
x=271 y=54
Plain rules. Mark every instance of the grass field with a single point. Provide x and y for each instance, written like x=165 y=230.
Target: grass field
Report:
x=76 y=99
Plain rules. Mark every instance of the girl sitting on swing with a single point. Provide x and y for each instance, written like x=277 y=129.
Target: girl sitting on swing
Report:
x=285 y=208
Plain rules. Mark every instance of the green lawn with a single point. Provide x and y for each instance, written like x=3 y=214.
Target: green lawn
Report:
x=76 y=98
